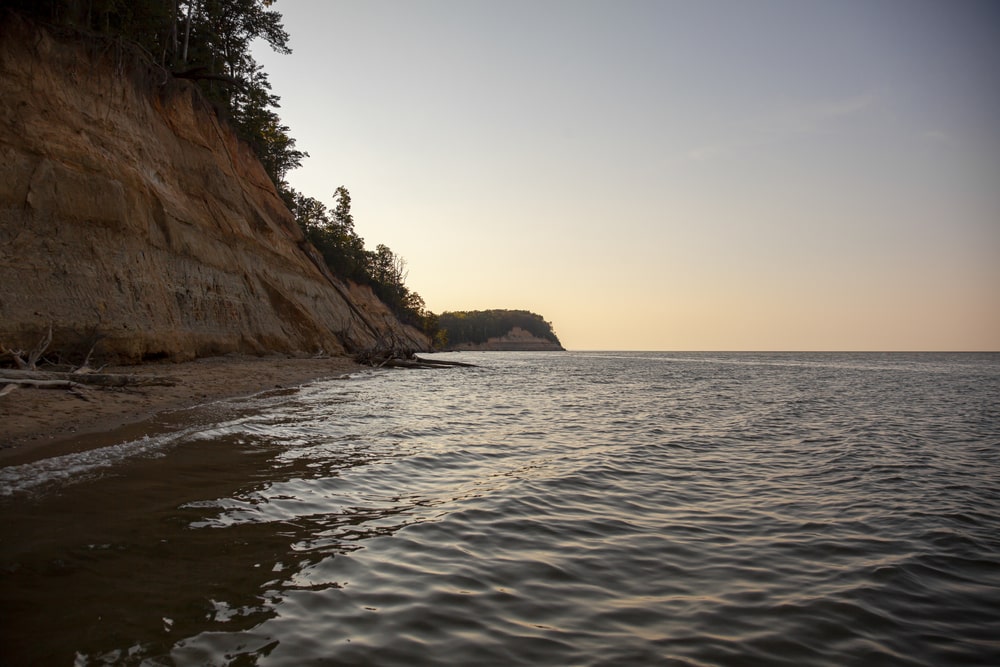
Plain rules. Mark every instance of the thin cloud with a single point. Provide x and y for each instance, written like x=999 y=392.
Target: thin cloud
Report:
x=815 y=116
x=797 y=120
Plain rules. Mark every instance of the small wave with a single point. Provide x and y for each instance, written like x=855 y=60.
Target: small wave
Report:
x=82 y=465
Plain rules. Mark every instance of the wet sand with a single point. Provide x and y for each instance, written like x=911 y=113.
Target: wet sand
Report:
x=37 y=423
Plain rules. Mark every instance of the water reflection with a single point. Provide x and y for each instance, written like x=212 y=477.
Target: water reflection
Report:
x=138 y=558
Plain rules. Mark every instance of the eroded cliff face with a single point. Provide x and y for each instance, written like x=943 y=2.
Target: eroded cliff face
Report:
x=129 y=214
x=515 y=340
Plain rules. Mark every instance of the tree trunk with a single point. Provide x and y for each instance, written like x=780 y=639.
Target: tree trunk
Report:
x=11 y=376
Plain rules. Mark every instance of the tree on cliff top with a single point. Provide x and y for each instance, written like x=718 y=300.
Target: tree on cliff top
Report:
x=344 y=253
x=207 y=41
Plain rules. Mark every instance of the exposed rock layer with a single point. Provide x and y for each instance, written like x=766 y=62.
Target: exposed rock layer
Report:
x=515 y=340
x=130 y=214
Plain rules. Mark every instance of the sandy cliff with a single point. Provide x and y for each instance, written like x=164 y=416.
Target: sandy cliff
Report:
x=128 y=213
x=515 y=340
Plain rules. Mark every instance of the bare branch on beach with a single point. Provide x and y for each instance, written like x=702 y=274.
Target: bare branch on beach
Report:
x=76 y=382
x=36 y=353
x=17 y=356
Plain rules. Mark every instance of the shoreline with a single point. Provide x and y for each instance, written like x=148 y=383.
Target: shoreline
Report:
x=39 y=423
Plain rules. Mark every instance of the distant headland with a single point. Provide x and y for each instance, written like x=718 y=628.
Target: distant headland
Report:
x=497 y=330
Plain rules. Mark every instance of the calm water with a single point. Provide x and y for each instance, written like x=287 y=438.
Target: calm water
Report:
x=541 y=509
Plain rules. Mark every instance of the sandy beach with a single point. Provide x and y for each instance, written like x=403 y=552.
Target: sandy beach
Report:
x=36 y=423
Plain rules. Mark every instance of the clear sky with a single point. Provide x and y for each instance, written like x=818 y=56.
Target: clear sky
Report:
x=668 y=175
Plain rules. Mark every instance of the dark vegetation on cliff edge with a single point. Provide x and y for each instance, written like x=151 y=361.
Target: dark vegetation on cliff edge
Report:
x=208 y=42
x=478 y=326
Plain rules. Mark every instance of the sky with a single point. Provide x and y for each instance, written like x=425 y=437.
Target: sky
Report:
x=668 y=175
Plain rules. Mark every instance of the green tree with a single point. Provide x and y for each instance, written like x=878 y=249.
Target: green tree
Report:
x=342 y=211
x=207 y=41
x=479 y=325
x=309 y=213
x=216 y=53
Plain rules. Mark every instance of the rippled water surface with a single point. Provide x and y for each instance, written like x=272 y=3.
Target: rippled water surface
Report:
x=539 y=509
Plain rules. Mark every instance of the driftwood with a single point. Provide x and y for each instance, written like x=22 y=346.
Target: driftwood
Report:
x=27 y=374
x=442 y=362
x=64 y=380
x=418 y=362
x=41 y=384
x=36 y=353
x=17 y=356
x=399 y=363
x=391 y=351
x=74 y=388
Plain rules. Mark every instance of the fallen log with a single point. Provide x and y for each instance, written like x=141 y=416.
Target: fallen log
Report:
x=41 y=384
x=18 y=376
x=418 y=362
x=75 y=388
x=442 y=362
x=399 y=363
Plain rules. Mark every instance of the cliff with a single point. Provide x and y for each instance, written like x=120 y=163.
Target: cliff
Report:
x=516 y=340
x=130 y=215
x=498 y=329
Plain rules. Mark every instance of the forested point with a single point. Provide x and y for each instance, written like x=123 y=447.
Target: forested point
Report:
x=478 y=326
x=209 y=43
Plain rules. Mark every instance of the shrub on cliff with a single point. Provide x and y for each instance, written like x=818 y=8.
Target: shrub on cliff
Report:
x=332 y=233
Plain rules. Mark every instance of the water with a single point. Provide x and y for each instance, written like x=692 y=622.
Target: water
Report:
x=540 y=509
